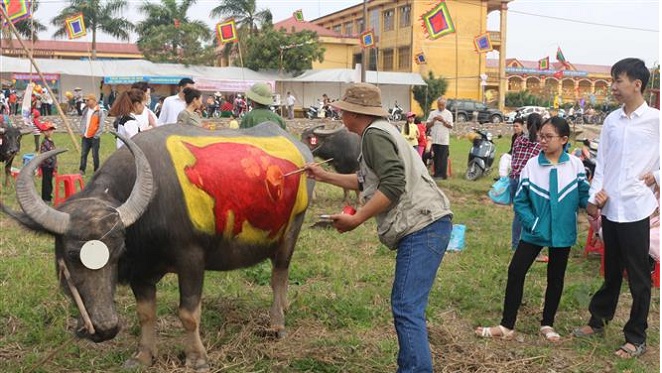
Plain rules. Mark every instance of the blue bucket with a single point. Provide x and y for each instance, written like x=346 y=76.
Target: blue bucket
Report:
x=27 y=158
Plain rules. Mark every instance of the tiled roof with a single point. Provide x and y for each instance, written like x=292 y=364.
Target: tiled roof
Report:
x=75 y=46
x=596 y=69
x=292 y=24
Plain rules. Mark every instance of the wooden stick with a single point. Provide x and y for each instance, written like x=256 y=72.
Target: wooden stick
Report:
x=302 y=169
x=77 y=298
x=50 y=91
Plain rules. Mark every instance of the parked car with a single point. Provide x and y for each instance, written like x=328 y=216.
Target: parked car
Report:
x=466 y=108
x=524 y=112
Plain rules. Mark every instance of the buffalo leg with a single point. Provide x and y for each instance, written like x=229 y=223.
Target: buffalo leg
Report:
x=146 y=308
x=279 y=277
x=190 y=293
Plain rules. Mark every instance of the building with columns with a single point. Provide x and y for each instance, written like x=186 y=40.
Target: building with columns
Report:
x=571 y=82
x=400 y=36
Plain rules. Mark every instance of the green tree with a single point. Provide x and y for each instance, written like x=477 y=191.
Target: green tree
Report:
x=169 y=35
x=426 y=95
x=26 y=26
x=245 y=14
x=271 y=50
x=99 y=16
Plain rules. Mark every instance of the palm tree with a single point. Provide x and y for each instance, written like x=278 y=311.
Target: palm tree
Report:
x=245 y=14
x=26 y=26
x=169 y=22
x=99 y=16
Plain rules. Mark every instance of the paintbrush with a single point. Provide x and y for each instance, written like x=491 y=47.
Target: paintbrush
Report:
x=302 y=169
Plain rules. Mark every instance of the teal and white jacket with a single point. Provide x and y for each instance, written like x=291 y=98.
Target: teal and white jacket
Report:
x=547 y=200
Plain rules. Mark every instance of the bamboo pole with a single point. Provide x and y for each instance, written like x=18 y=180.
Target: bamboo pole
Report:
x=50 y=91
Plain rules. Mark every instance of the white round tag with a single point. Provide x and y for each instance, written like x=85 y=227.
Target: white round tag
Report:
x=94 y=254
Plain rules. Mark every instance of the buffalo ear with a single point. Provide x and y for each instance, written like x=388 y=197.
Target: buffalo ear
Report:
x=24 y=220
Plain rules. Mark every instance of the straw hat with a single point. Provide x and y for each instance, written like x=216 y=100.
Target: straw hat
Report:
x=90 y=96
x=362 y=98
x=260 y=93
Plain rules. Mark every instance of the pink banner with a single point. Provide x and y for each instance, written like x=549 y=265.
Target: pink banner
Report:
x=209 y=85
x=35 y=76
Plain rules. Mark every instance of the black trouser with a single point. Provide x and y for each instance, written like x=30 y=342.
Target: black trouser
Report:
x=46 y=184
x=626 y=247
x=440 y=160
x=523 y=257
x=87 y=144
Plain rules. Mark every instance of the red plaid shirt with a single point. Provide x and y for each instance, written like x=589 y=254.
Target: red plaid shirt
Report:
x=523 y=150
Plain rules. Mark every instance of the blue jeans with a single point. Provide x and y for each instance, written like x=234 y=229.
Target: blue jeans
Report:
x=418 y=258
x=516 y=228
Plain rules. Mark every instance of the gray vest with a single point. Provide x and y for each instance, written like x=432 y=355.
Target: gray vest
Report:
x=421 y=204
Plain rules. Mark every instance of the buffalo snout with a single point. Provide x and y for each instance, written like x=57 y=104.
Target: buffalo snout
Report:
x=101 y=332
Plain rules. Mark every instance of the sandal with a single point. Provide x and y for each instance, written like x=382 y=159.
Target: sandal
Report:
x=549 y=333
x=542 y=259
x=627 y=352
x=583 y=333
x=486 y=332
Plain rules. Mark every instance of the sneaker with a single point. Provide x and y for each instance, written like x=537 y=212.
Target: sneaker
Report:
x=542 y=258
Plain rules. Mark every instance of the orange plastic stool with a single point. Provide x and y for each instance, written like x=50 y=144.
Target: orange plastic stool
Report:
x=68 y=183
x=656 y=275
x=593 y=243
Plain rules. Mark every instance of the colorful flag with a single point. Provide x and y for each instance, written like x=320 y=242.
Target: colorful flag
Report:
x=543 y=63
x=298 y=15
x=16 y=10
x=561 y=58
x=483 y=43
x=227 y=32
x=558 y=74
x=420 y=59
x=75 y=26
x=368 y=39
x=437 y=22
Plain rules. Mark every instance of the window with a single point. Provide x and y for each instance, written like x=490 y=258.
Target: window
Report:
x=358 y=58
x=405 y=16
x=389 y=21
x=374 y=21
x=387 y=60
x=372 y=59
x=404 y=58
x=359 y=25
x=338 y=29
x=349 y=28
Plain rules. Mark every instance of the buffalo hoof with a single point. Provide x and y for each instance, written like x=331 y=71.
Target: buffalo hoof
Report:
x=134 y=364
x=281 y=333
x=199 y=365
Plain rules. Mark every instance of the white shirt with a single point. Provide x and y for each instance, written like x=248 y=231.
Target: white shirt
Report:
x=143 y=119
x=128 y=129
x=290 y=100
x=172 y=106
x=439 y=133
x=629 y=148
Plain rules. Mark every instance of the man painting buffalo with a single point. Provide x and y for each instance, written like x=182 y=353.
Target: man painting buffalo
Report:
x=176 y=208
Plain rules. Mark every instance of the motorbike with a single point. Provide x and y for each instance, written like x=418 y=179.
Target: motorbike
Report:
x=589 y=158
x=318 y=111
x=481 y=155
x=395 y=113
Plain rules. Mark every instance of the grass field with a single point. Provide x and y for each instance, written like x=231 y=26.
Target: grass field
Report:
x=339 y=318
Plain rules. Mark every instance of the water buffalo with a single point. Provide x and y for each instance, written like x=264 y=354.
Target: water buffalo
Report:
x=10 y=144
x=340 y=144
x=192 y=200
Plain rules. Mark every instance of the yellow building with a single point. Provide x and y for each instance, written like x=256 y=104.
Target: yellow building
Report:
x=400 y=36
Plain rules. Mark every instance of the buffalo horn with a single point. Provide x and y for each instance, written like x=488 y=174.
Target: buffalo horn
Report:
x=51 y=219
x=143 y=189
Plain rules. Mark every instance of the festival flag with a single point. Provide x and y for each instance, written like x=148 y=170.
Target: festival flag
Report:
x=437 y=22
x=543 y=63
x=420 y=59
x=75 y=26
x=483 y=43
x=561 y=58
x=227 y=32
x=558 y=74
x=368 y=39
x=16 y=10
x=298 y=15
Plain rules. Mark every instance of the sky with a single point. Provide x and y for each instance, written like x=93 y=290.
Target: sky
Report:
x=598 y=32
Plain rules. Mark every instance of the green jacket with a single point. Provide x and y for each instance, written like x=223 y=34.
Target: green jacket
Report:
x=547 y=200
x=261 y=115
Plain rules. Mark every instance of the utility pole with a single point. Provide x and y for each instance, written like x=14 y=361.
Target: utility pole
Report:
x=364 y=55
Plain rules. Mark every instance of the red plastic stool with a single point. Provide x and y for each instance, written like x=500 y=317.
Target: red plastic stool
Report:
x=593 y=243
x=656 y=275
x=68 y=182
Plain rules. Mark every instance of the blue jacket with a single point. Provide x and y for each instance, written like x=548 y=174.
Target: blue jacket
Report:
x=547 y=200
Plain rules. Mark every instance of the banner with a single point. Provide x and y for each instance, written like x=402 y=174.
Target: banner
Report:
x=211 y=85
x=298 y=15
x=483 y=43
x=16 y=10
x=75 y=26
x=543 y=64
x=437 y=22
x=367 y=39
x=34 y=76
x=420 y=59
x=227 y=32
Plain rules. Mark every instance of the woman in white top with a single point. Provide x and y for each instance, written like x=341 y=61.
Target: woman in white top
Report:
x=127 y=106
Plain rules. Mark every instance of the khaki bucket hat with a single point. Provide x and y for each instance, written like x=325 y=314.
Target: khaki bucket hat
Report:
x=362 y=98
x=261 y=93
